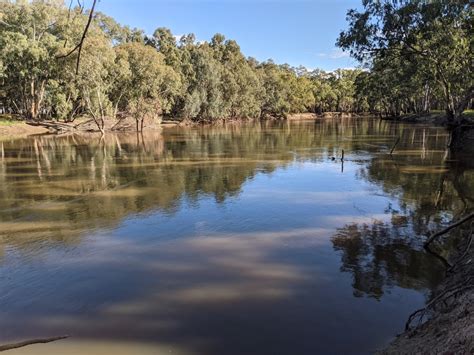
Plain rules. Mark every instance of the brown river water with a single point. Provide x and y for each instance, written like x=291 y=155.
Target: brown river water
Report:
x=241 y=239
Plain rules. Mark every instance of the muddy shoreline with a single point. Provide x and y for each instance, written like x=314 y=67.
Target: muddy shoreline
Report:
x=16 y=128
x=450 y=325
x=19 y=130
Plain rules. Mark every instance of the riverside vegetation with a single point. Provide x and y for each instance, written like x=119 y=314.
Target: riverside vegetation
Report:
x=287 y=225
x=415 y=56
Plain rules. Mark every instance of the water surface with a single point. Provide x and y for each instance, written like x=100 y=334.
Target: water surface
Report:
x=226 y=240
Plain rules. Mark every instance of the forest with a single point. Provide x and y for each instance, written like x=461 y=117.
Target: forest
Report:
x=60 y=61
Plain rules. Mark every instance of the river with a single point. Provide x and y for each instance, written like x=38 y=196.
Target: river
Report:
x=237 y=239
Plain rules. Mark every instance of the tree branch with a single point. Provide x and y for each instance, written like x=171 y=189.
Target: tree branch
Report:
x=78 y=47
x=30 y=342
x=447 y=229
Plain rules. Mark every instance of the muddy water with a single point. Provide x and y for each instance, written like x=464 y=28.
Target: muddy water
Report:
x=242 y=239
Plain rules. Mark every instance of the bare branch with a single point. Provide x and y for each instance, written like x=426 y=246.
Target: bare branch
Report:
x=30 y=342
x=447 y=229
x=78 y=47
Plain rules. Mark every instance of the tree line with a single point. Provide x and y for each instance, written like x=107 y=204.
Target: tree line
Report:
x=416 y=54
x=419 y=55
x=125 y=72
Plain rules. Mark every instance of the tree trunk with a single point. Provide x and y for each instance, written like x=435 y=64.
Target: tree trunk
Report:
x=32 y=101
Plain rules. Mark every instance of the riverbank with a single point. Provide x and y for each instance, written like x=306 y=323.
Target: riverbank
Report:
x=18 y=129
x=437 y=117
x=450 y=330
x=11 y=128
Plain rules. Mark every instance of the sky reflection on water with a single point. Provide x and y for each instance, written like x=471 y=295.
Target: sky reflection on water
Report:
x=237 y=239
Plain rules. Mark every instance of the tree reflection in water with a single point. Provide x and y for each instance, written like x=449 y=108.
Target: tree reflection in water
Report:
x=432 y=191
x=102 y=233
x=383 y=255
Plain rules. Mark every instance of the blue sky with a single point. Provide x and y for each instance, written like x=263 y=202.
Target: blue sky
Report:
x=298 y=32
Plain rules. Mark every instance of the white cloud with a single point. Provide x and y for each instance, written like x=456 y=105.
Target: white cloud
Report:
x=334 y=54
x=338 y=53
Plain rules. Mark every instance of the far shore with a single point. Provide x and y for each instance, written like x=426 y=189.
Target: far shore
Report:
x=15 y=128
x=19 y=129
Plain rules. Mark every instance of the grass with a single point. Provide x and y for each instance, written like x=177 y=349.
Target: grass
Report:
x=469 y=114
x=8 y=120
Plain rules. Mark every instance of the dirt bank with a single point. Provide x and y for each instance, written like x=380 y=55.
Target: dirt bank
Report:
x=313 y=116
x=10 y=130
x=302 y=116
x=450 y=330
x=435 y=117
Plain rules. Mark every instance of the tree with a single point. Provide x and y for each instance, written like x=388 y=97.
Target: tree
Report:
x=29 y=44
x=148 y=85
x=123 y=72
x=435 y=35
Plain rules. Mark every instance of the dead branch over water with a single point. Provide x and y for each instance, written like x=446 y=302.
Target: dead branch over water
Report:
x=447 y=229
x=31 y=342
x=459 y=283
x=78 y=47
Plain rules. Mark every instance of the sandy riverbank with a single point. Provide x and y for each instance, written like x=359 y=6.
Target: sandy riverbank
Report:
x=9 y=130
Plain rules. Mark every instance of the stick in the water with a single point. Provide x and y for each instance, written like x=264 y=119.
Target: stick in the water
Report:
x=396 y=143
x=30 y=342
x=342 y=157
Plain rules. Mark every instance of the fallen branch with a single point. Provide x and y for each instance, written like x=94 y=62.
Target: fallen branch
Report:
x=31 y=342
x=84 y=123
x=61 y=126
x=442 y=296
x=441 y=258
x=466 y=251
x=58 y=126
x=447 y=229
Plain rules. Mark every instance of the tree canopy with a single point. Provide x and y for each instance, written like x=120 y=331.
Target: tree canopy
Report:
x=417 y=56
x=415 y=50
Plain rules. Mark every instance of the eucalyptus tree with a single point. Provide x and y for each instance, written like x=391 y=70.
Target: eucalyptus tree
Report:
x=325 y=98
x=124 y=72
x=436 y=35
x=39 y=67
x=275 y=102
x=204 y=98
x=29 y=43
x=241 y=87
x=148 y=85
x=94 y=79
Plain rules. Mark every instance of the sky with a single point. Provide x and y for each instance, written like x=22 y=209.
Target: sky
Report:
x=297 y=32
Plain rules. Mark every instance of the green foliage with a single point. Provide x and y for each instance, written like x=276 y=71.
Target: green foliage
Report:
x=122 y=72
x=418 y=52
x=144 y=85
